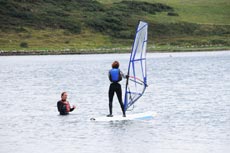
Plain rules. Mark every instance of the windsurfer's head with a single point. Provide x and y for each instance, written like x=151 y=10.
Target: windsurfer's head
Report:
x=115 y=64
x=64 y=96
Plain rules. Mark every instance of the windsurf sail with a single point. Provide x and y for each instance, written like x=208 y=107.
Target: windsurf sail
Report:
x=137 y=81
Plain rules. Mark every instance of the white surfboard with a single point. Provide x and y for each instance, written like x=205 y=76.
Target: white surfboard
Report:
x=139 y=116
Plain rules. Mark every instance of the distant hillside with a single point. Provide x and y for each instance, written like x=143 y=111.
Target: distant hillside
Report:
x=194 y=11
x=117 y=20
x=87 y=24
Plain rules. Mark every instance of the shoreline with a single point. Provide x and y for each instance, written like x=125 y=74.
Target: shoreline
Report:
x=103 y=51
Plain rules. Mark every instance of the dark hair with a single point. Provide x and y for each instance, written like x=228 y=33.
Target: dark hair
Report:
x=63 y=93
x=115 y=64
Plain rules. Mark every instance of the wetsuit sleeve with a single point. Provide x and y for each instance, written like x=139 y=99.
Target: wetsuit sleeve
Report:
x=124 y=76
x=71 y=109
x=121 y=75
x=61 y=107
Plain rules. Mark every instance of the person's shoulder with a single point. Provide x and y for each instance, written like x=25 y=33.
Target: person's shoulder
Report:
x=59 y=102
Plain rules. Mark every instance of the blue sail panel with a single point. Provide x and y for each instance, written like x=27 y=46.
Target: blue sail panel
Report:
x=137 y=82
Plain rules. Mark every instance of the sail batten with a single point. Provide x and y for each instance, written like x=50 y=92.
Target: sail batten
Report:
x=141 y=59
x=137 y=82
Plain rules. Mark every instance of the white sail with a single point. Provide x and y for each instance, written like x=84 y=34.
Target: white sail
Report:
x=137 y=82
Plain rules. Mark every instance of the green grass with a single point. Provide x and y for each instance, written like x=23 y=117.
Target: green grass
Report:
x=52 y=39
x=204 y=11
x=59 y=40
x=195 y=11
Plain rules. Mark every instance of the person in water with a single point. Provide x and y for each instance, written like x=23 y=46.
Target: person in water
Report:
x=115 y=76
x=64 y=106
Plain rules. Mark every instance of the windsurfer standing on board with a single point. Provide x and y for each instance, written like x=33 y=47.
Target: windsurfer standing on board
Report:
x=63 y=105
x=115 y=76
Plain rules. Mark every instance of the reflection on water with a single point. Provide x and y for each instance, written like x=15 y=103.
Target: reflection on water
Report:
x=189 y=91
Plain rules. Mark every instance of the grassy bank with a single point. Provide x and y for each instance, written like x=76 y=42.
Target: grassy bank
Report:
x=50 y=40
x=103 y=26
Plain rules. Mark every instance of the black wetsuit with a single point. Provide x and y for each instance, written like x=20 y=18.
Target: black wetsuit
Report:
x=115 y=87
x=62 y=108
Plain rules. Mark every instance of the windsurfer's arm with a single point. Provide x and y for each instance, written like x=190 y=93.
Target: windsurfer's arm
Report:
x=123 y=75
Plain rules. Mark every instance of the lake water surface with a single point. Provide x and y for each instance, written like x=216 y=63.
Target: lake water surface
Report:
x=189 y=91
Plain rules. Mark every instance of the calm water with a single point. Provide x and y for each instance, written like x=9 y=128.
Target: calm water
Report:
x=189 y=91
